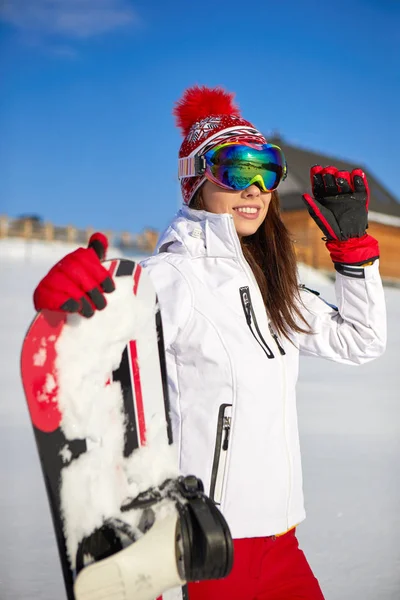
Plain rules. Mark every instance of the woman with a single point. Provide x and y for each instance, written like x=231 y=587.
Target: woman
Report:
x=235 y=322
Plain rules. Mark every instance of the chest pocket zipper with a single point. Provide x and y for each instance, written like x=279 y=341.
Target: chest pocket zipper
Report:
x=251 y=319
x=280 y=348
x=221 y=452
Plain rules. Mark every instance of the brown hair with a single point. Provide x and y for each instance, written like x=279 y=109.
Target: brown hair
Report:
x=271 y=256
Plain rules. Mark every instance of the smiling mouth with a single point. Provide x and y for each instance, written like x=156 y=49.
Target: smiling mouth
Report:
x=248 y=213
x=247 y=210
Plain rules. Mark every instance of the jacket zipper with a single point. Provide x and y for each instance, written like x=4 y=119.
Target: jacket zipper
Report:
x=285 y=428
x=250 y=275
x=221 y=452
x=249 y=312
x=251 y=318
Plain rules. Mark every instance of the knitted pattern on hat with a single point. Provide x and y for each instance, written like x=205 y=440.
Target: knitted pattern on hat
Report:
x=208 y=117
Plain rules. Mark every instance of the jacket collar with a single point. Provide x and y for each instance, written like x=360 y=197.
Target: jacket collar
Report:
x=201 y=233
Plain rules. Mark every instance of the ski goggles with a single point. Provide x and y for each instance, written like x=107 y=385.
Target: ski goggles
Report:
x=236 y=166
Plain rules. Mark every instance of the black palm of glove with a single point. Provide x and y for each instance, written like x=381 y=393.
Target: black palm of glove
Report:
x=340 y=203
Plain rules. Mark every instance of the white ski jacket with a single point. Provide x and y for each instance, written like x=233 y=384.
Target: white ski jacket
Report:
x=232 y=381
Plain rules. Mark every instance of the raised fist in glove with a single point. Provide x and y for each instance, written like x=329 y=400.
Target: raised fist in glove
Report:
x=78 y=282
x=339 y=206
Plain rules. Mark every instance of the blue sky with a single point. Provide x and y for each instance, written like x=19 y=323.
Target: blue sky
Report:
x=88 y=86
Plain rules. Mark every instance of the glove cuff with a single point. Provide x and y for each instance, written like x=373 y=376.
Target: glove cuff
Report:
x=355 y=251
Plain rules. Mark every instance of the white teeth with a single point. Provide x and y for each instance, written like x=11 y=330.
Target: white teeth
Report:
x=247 y=209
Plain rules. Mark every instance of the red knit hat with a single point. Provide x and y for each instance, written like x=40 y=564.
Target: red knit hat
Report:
x=208 y=117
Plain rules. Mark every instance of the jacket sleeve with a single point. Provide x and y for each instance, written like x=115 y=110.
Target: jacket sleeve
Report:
x=173 y=293
x=354 y=332
x=175 y=298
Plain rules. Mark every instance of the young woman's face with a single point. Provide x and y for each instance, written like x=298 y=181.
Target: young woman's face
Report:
x=248 y=207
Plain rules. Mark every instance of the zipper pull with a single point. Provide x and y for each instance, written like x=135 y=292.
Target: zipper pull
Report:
x=281 y=350
x=246 y=304
x=227 y=430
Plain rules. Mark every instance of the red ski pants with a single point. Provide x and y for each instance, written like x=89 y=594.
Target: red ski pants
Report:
x=263 y=569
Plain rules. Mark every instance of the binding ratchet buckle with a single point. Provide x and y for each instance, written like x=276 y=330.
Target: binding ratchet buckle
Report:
x=206 y=538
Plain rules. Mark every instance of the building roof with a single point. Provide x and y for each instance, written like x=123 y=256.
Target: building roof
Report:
x=300 y=160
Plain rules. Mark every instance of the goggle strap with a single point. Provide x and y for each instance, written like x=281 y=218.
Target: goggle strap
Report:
x=191 y=166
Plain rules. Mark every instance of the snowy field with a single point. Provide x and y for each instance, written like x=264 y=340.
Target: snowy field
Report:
x=350 y=430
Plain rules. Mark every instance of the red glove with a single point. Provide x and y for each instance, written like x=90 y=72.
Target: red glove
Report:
x=77 y=283
x=339 y=207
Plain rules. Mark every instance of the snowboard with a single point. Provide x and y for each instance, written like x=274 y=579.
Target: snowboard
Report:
x=97 y=397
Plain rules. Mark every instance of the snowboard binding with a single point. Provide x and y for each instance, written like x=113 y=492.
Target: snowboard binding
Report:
x=192 y=543
x=206 y=539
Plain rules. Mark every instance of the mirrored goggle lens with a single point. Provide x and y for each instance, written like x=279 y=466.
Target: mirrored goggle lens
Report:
x=235 y=166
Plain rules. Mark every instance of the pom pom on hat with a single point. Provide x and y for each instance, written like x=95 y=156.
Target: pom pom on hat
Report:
x=200 y=102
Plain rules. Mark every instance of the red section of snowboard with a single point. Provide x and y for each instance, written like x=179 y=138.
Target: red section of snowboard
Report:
x=136 y=277
x=138 y=392
x=38 y=368
x=112 y=267
x=39 y=372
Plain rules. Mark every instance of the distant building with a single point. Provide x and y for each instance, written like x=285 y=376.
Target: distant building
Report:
x=384 y=211
x=32 y=227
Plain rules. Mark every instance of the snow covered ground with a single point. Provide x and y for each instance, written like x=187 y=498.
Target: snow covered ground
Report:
x=350 y=430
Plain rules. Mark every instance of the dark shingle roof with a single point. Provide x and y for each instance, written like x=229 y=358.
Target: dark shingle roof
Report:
x=299 y=162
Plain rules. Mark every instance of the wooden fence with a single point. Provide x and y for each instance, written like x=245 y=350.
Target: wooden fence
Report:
x=33 y=228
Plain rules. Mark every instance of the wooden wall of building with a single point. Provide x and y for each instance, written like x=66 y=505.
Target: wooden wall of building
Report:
x=311 y=249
